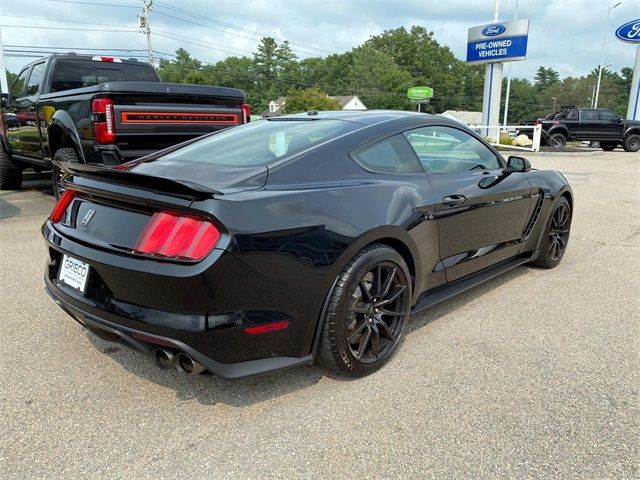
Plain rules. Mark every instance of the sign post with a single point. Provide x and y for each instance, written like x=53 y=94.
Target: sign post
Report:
x=630 y=33
x=420 y=95
x=494 y=44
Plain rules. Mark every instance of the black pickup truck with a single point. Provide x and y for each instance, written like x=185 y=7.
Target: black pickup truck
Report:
x=591 y=124
x=102 y=110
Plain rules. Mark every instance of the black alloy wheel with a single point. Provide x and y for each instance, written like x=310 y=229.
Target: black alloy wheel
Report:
x=376 y=313
x=557 y=140
x=559 y=231
x=556 y=237
x=367 y=312
x=632 y=143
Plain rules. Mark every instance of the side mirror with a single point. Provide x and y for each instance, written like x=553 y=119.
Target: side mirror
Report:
x=4 y=99
x=618 y=120
x=518 y=164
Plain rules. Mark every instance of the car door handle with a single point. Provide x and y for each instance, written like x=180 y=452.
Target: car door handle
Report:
x=453 y=200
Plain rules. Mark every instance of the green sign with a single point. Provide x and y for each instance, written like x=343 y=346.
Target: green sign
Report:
x=420 y=93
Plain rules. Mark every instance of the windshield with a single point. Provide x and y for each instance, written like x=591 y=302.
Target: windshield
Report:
x=258 y=143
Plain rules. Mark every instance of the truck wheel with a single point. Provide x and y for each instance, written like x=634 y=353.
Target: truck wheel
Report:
x=608 y=146
x=62 y=155
x=10 y=173
x=558 y=141
x=631 y=143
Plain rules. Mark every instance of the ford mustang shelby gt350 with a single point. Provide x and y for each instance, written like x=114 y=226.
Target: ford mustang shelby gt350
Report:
x=293 y=239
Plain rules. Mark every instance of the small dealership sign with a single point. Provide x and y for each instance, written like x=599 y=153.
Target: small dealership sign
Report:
x=420 y=93
x=498 y=42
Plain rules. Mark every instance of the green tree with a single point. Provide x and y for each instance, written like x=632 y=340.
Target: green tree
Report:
x=378 y=80
x=182 y=69
x=303 y=100
x=545 y=77
x=429 y=63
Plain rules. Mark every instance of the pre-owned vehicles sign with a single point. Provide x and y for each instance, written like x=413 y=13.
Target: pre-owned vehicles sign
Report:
x=498 y=42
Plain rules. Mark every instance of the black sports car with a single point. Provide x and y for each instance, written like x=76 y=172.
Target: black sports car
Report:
x=310 y=236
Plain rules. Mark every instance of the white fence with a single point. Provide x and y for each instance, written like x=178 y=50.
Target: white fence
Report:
x=493 y=133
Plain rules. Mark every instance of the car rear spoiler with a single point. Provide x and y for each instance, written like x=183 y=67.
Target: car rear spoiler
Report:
x=125 y=177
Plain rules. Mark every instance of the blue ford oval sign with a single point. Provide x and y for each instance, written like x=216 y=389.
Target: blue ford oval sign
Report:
x=493 y=30
x=629 y=32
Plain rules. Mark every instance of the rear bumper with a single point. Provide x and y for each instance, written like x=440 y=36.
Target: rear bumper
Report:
x=132 y=338
x=201 y=309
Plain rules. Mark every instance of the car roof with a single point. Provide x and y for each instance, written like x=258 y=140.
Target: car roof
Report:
x=365 y=117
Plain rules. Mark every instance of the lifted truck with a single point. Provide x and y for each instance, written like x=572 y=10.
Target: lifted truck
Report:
x=593 y=125
x=102 y=110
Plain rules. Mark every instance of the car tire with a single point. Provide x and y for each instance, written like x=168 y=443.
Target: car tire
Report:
x=62 y=155
x=631 y=143
x=357 y=337
x=557 y=141
x=608 y=146
x=556 y=236
x=10 y=173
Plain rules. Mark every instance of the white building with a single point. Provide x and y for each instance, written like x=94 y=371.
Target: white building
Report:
x=347 y=102
x=464 y=117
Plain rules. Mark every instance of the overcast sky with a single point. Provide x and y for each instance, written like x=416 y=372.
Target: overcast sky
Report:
x=564 y=34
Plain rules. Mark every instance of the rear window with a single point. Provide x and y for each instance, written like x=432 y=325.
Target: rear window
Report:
x=258 y=143
x=70 y=74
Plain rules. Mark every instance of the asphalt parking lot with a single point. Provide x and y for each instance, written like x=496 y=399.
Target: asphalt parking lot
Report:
x=533 y=375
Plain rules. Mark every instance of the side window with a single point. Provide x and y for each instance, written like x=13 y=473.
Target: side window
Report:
x=572 y=115
x=18 y=85
x=590 y=115
x=391 y=155
x=449 y=150
x=35 y=79
x=608 y=115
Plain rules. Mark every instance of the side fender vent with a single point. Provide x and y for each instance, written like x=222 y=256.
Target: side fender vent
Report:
x=536 y=215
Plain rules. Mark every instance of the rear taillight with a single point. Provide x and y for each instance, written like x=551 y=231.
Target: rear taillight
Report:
x=104 y=120
x=172 y=235
x=63 y=203
x=246 y=113
x=537 y=122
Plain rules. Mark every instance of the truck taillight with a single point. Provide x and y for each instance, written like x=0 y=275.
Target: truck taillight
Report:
x=173 y=235
x=63 y=203
x=104 y=120
x=246 y=113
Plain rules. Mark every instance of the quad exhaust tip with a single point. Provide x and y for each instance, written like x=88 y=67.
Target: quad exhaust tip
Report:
x=163 y=358
x=185 y=364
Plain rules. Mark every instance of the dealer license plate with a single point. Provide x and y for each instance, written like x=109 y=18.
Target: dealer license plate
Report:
x=74 y=273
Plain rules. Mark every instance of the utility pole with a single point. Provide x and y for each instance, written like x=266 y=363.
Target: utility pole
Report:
x=3 y=70
x=143 y=22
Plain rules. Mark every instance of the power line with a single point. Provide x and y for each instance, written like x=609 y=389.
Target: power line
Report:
x=192 y=41
x=234 y=27
x=78 y=2
x=66 y=29
x=225 y=31
x=60 y=20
